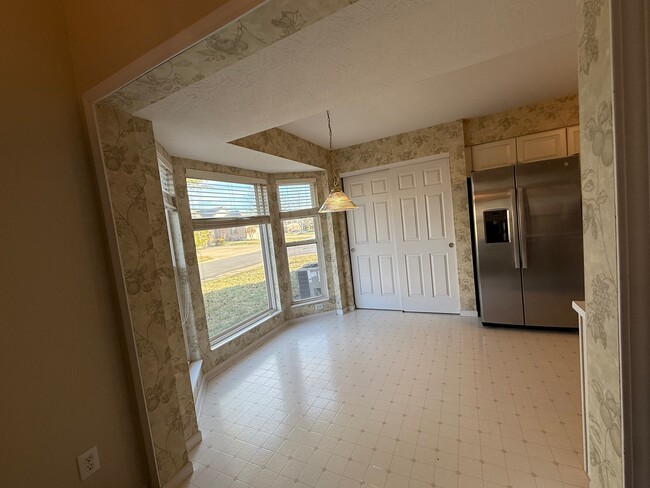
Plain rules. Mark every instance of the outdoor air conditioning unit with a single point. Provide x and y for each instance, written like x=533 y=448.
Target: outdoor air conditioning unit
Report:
x=308 y=281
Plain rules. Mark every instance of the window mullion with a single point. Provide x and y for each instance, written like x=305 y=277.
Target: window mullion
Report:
x=301 y=243
x=207 y=224
x=299 y=214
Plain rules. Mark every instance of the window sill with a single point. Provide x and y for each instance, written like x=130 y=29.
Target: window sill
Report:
x=310 y=302
x=221 y=341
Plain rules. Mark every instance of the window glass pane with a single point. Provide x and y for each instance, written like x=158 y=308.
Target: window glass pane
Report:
x=223 y=199
x=305 y=272
x=299 y=229
x=233 y=278
x=295 y=196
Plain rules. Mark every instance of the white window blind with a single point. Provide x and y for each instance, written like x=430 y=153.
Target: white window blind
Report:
x=296 y=196
x=167 y=184
x=210 y=199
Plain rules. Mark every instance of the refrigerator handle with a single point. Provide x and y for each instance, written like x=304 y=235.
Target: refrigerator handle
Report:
x=513 y=233
x=521 y=221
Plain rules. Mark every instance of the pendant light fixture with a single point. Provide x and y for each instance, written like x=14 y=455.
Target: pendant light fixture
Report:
x=336 y=201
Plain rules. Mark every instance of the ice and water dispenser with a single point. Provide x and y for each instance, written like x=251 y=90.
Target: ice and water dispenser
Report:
x=496 y=226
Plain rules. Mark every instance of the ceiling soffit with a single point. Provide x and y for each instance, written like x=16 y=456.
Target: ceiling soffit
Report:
x=272 y=21
x=289 y=59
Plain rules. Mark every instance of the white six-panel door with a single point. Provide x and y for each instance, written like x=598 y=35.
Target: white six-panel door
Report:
x=372 y=242
x=402 y=238
x=425 y=246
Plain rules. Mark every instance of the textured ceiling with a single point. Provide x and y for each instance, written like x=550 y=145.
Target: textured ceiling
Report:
x=376 y=61
x=542 y=72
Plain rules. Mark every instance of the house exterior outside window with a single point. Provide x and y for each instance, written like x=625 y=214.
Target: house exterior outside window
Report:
x=230 y=218
x=302 y=238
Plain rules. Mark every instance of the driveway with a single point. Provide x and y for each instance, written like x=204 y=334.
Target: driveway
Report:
x=217 y=267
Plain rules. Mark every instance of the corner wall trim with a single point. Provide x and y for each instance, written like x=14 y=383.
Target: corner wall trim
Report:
x=468 y=313
x=194 y=441
x=631 y=110
x=200 y=396
x=396 y=164
x=178 y=479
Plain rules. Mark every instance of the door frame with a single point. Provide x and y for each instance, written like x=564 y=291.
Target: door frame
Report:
x=398 y=164
x=631 y=112
x=382 y=167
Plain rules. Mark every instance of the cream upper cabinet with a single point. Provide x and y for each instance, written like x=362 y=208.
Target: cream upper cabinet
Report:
x=573 y=139
x=543 y=145
x=550 y=144
x=494 y=154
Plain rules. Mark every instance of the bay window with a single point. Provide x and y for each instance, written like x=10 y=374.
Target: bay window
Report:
x=302 y=238
x=230 y=218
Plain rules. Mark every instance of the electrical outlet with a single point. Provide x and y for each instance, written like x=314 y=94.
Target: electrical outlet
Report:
x=318 y=307
x=88 y=463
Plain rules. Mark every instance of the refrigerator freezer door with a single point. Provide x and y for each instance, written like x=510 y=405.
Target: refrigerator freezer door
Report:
x=498 y=260
x=550 y=232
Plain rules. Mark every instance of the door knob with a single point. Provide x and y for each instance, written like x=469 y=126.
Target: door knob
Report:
x=451 y=244
x=352 y=250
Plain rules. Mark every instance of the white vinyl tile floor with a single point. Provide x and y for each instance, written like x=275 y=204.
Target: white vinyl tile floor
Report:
x=396 y=400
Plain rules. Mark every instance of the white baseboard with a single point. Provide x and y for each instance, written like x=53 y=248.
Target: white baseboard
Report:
x=200 y=396
x=193 y=441
x=468 y=313
x=343 y=311
x=195 y=375
x=178 y=479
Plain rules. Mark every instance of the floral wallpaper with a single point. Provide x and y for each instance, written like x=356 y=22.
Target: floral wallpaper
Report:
x=169 y=305
x=129 y=156
x=536 y=117
x=272 y=21
x=443 y=138
x=600 y=247
x=285 y=145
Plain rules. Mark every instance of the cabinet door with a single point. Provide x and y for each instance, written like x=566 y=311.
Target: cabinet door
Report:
x=573 y=140
x=494 y=154
x=543 y=145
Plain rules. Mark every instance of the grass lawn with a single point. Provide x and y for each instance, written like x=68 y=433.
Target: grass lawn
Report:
x=231 y=299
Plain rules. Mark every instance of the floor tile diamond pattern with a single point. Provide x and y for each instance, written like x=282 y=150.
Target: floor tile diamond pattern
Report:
x=396 y=400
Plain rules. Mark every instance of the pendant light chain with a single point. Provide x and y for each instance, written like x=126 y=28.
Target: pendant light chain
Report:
x=336 y=201
x=329 y=127
x=335 y=175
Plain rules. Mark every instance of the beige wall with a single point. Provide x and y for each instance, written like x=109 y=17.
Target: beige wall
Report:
x=65 y=385
x=107 y=35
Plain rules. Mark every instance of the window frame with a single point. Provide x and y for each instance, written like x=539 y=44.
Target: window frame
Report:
x=174 y=234
x=317 y=240
x=264 y=224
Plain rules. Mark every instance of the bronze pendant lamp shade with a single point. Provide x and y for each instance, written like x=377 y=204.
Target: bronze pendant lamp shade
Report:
x=336 y=201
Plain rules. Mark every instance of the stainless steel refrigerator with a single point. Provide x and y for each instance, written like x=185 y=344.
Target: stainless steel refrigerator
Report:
x=528 y=235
